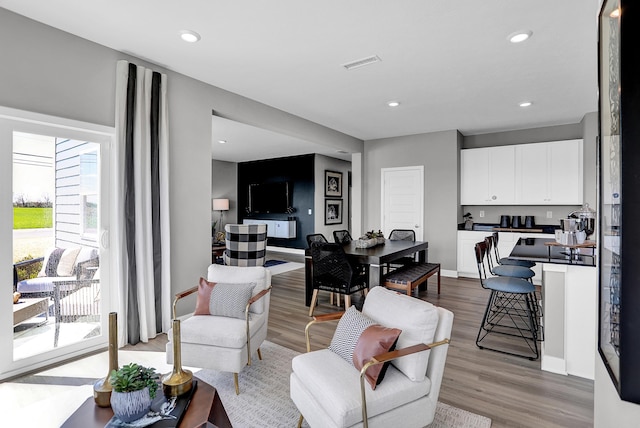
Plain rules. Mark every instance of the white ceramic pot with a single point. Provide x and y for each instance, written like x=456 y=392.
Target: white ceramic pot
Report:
x=130 y=406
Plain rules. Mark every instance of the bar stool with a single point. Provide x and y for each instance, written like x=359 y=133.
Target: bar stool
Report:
x=505 y=270
x=514 y=272
x=510 y=310
x=506 y=260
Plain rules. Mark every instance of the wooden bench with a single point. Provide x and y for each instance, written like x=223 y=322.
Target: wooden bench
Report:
x=408 y=277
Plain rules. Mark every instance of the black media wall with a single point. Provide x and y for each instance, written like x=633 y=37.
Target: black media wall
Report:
x=298 y=171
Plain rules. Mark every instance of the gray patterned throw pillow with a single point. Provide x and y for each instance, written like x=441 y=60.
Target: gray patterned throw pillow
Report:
x=230 y=300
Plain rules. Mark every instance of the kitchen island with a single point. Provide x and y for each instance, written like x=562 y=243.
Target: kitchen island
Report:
x=569 y=304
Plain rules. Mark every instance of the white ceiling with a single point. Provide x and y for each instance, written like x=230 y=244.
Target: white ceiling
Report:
x=450 y=64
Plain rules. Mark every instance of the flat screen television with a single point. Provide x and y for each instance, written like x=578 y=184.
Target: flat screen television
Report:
x=269 y=198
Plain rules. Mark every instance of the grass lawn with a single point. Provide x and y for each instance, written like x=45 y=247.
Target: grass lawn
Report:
x=32 y=218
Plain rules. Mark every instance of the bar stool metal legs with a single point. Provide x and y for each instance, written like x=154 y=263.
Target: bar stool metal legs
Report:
x=511 y=314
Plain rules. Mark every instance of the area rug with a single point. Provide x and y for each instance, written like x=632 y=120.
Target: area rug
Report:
x=264 y=399
x=280 y=266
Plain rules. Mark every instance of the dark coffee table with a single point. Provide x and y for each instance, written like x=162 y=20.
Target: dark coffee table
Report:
x=205 y=407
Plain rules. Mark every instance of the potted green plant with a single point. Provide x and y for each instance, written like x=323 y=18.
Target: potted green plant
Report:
x=134 y=388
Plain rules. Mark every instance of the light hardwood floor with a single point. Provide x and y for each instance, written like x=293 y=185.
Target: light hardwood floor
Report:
x=512 y=391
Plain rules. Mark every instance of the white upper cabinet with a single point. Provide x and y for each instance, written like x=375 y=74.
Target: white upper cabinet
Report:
x=525 y=174
x=549 y=173
x=487 y=176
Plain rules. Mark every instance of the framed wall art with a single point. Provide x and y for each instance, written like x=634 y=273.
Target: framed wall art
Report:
x=333 y=184
x=332 y=211
x=619 y=202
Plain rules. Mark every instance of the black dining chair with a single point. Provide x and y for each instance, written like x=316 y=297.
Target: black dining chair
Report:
x=333 y=272
x=402 y=235
x=341 y=237
x=315 y=237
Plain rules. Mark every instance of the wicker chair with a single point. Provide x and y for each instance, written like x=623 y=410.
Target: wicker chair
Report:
x=333 y=272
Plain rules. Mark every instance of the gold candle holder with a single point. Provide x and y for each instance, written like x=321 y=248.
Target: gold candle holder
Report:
x=178 y=381
x=102 y=388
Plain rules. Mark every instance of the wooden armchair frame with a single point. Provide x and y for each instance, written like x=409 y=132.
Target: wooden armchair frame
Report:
x=378 y=359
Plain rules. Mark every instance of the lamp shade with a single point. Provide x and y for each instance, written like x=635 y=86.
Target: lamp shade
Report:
x=220 y=204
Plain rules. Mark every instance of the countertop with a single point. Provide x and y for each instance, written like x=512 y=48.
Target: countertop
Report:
x=534 y=249
x=495 y=227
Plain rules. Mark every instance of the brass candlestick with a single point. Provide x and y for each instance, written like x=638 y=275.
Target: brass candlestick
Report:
x=178 y=381
x=102 y=388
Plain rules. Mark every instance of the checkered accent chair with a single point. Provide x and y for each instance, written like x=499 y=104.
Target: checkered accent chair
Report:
x=246 y=244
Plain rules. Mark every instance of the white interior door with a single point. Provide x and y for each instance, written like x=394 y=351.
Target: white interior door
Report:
x=402 y=199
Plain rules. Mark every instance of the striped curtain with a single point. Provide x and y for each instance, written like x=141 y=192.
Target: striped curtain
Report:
x=141 y=246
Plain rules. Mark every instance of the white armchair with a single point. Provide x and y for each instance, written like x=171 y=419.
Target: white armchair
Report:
x=226 y=339
x=330 y=392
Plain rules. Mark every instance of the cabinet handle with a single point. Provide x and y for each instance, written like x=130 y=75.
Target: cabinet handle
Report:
x=494 y=197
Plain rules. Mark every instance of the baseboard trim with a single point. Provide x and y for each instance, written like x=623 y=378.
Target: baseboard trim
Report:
x=285 y=250
x=449 y=273
x=553 y=364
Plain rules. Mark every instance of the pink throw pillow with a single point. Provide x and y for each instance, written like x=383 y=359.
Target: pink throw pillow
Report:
x=204 y=296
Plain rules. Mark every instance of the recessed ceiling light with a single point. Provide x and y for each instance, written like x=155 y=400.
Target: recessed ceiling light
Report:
x=519 y=36
x=525 y=104
x=189 y=36
x=222 y=141
x=393 y=103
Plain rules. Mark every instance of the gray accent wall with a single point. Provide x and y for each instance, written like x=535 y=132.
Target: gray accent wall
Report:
x=323 y=163
x=524 y=136
x=439 y=154
x=48 y=71
x=224 y=185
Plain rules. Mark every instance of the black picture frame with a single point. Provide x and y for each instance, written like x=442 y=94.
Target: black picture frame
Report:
x=619 y=196
x=332 y=211
x=332 y=184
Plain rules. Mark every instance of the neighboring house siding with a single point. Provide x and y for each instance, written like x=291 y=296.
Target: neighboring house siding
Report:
x=68 y=203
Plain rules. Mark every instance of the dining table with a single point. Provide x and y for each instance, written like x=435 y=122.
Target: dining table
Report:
x=374 y=258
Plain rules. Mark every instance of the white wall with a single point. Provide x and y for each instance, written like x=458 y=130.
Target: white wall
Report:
x=48 y=71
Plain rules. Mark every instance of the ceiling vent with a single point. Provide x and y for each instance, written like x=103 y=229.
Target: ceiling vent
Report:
x=361 y=62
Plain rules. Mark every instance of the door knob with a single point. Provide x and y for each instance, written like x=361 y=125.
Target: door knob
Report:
x=417 y=226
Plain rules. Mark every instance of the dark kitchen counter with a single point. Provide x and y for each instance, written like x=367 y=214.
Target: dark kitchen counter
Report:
x=534 y=249
x=495 y=227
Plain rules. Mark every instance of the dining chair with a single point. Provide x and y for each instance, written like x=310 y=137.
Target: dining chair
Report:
x=342 y=236
x=315 y=237
x=333 y=272
x=402 y=235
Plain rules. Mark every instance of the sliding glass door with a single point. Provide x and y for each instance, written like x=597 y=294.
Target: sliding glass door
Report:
x=53 y=245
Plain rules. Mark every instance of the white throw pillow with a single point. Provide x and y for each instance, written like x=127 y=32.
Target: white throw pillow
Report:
x=67 y=263
x=230 y=300
x=416 y=318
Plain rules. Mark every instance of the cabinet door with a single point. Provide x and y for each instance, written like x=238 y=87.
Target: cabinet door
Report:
x=502 y=187
x=533 y=174
x=565 y=172
x=550 y=173
x=474 y=181
x=467 y=265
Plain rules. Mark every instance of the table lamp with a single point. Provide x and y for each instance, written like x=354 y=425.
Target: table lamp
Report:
x=220 y=205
